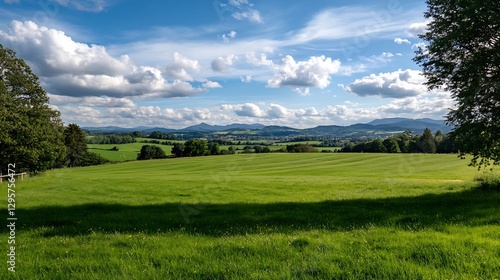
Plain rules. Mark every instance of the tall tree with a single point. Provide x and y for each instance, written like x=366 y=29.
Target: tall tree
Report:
x=31 y=133
x=426 y=142
x=463 y=57
x=76 y=145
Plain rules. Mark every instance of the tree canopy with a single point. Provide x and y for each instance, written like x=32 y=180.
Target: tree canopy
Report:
x=462 y=56
x=31 y=133
x=151 y=152
x=76 y=145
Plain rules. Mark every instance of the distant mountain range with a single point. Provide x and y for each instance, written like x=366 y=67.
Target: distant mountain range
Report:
x=379 y=127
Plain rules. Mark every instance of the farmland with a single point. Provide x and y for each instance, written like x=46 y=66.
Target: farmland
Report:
x=128 y=152
x=265 y=216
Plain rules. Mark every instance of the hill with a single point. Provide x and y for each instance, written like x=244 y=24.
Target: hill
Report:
x=375 y=128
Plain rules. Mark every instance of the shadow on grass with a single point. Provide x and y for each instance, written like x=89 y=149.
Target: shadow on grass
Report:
x=469 y=208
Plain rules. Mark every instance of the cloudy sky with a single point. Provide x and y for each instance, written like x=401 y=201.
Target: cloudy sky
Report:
x=177 y=63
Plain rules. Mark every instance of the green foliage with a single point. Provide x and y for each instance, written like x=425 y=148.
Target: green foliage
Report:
x=31 y=133
x=93 y=159
x=490 y=181
x=214 y=148
x=162 y=135
x=301 y=148
x=76 y=146
x=151 y=152
x=406 y=143
x=178 y=149
x=391 y=145
x=426 y=142
x=462 y=56
x=194 y=148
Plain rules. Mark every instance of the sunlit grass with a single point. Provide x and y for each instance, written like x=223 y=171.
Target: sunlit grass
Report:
x=273 y=216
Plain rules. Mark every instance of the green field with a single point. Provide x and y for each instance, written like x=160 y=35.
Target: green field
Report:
x=126 y=152
x=265 y=216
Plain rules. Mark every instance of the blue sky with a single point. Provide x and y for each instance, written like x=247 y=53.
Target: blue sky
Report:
x=178 y=63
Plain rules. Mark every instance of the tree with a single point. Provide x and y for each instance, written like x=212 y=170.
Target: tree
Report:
x=76 y=145
x=463 y=57
x=426 y=142
x=214 y=148
x=391 y=145
x=195 y=148
x=376 y=146
x=151 y=152
x=178 y=149
x=31 y=133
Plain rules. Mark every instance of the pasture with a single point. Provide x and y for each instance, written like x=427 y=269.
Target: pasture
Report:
x=126 y=152
x=264 y=216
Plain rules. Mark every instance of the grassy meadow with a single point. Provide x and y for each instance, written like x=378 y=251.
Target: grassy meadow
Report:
x=265 y=216
x=126 y=152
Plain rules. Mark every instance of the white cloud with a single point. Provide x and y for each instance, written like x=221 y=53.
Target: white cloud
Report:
x=91 y=101
x=239 y=3
x=84 y=5
x=94 y=111
x=231 y=34
x=302 y=75
x=349 y=22
x=277 y=111
x=258 y=60
x=250 y=14
x=245 y=110
x=377 y=60
x=402 y=41
x=180 y=67
x=71 y=68
x=246 y=78
x=418 y=45
x=417 y=28
x=211 y=84
x=397 y=84
x=222 y=63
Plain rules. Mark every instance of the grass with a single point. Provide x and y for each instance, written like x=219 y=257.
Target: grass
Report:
x=126 y=152
x=272 y=216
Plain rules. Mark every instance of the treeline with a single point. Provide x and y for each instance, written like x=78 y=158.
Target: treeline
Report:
x=162 y=135
x=428 y=143
x=111 y=139
x=197 y=147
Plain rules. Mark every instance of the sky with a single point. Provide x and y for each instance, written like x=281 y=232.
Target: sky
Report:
x=173 y=64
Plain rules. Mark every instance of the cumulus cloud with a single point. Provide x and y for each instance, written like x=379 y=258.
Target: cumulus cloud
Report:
x=91 y=111
x=400 y=41
x=258 y=60
x=71 y=68
x=180 y=67
x=91 y=101
x=397 y=84
x=211 y=84
x=245 y=110
x=302 y=75
x=222 y=63
x=417 y=28
x=226 y=37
